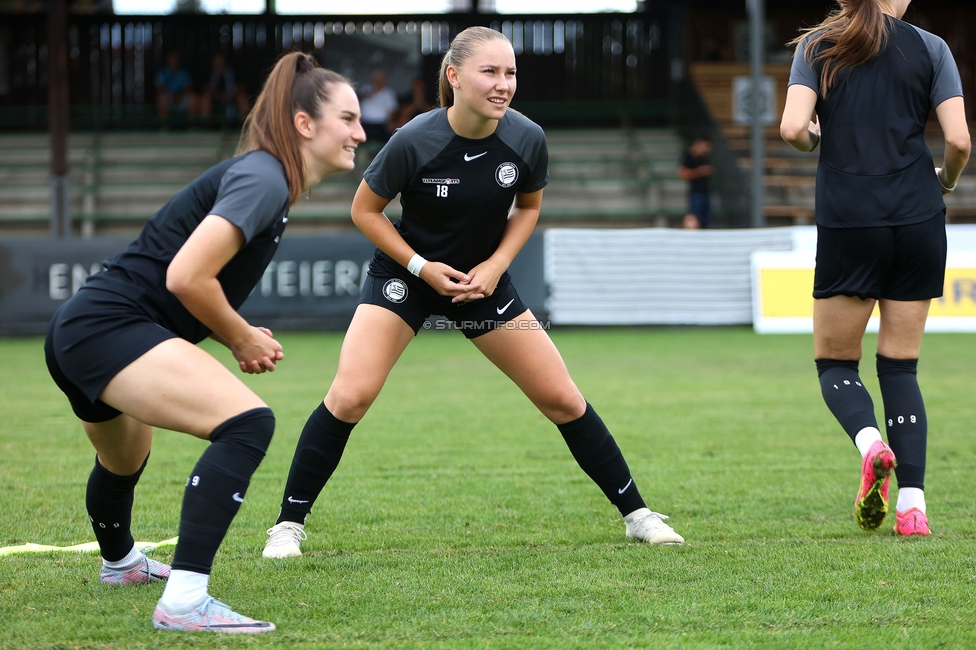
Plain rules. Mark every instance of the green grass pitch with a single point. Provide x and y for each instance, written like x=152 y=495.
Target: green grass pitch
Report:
x=458 y=518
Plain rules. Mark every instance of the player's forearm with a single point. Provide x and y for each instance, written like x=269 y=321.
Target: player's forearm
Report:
x=219 y=339
x=205 y=300
x=803 y=139
x=384 y=236
x=958 y=143
x=521 y=223
x=956 y=157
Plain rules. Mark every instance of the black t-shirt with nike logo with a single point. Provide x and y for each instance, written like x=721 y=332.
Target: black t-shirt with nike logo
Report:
x=251 y=192
x=875 y=168
x=456 y=193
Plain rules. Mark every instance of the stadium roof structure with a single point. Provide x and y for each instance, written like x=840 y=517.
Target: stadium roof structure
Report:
x=370 y=7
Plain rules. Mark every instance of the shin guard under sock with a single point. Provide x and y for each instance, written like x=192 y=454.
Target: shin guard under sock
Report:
x=845 y=395
x=599 y=456
x=318 y=453
x=108 y=500
x=905 y=418
x=216 y=488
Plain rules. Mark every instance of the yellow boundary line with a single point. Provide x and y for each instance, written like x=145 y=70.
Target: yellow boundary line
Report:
x=145 y=547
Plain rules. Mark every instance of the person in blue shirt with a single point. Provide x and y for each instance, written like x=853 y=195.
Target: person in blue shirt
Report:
x=174 y=89
x=123 y=349
x=862 y=86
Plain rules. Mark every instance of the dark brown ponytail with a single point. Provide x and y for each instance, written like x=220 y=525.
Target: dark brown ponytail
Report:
x=852 y=34
x=296 y=83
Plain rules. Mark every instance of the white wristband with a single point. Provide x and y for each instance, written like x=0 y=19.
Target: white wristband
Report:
x=944 y=188
x=415 y=264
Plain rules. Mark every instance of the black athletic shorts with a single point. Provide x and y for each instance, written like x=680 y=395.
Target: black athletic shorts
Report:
x=92 y=337
x=892 y=262
x=414 y=300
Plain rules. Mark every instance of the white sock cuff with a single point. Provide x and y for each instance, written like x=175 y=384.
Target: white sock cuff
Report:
x=128 y=561
x=909 y=498
x=865 y=438
x=184 y=591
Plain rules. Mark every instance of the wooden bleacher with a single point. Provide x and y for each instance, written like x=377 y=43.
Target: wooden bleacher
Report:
x=617 y=175
x=790 y=176
x=611 y=176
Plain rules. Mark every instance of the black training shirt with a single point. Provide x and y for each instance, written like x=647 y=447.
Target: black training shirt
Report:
x=251 y=192
x=456 y=193
x=875 y=168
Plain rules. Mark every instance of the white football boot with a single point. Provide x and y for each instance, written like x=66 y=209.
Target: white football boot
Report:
x=284 y=540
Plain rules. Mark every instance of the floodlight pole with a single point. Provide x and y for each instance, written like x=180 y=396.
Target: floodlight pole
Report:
x=57 y=106
x=757 y=55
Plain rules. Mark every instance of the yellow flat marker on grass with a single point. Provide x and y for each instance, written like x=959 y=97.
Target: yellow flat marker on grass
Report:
x=145 y=547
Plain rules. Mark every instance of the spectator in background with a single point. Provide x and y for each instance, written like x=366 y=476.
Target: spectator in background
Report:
x=377 y=103
x=174 y=89
x=222 y=91
x=410 y=106
x=696 y=169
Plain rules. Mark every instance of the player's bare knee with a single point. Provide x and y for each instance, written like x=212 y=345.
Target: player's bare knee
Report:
x=563 y=406
x=838 y=348
x=348 y=403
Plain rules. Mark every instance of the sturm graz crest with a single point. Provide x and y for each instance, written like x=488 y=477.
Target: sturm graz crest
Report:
x=506 y=174
x=395 y=290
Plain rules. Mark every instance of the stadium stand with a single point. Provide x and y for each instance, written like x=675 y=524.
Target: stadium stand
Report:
x=611 y=176
x=790 y=176
x=117 y=179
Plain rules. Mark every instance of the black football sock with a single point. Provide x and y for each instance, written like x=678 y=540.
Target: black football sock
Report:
x=905 y=418
x=318 y=453
x=598 y=455
x=845 y=395
x=108 y=500
x=216 y=487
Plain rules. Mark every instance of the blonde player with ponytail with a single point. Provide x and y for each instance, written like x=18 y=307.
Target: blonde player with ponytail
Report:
x=470 y=176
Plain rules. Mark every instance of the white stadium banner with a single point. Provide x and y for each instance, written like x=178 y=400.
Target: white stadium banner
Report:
x=654 y=276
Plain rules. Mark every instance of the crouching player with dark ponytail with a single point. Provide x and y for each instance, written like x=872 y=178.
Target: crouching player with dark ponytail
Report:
x=123 y=348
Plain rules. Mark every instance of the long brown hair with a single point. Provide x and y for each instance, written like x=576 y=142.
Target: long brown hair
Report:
x=462 y=47
x=296 y=83
x=853 y=34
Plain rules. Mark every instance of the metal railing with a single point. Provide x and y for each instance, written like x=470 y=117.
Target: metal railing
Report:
x=113 y=60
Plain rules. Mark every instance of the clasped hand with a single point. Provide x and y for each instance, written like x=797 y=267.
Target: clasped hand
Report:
x=258 y=353
x=462 y=287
